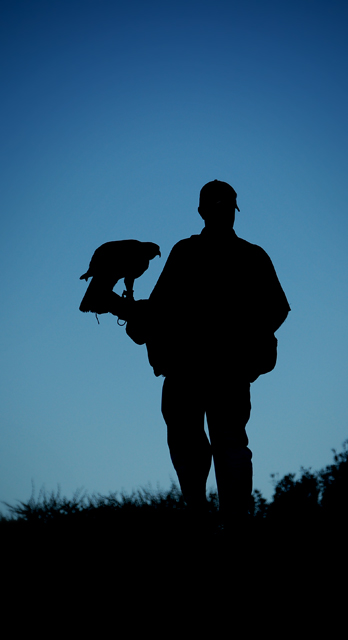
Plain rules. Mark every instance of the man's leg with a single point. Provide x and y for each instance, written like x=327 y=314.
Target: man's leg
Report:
x=190 y=450
x=228 y=411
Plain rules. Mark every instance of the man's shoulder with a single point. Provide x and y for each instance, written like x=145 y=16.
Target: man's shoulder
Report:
x=188 y=241
x=186 y=244
x=249 y=246
x=253 y=250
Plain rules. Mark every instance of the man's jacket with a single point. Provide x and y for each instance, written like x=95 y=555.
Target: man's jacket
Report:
x=214 y=310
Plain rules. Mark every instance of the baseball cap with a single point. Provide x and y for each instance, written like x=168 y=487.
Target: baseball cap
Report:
x=216 y=191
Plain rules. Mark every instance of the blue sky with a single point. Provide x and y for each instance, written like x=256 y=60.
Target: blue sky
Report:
x=113 y=116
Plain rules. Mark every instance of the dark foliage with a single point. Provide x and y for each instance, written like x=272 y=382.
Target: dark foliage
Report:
x=315 y=497
x=312 y=498
x=146 y=553
x=333 y=482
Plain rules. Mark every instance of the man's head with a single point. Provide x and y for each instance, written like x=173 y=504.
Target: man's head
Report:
x=217 y=204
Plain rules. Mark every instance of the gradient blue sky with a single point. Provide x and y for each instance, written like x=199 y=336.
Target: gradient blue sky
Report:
x=113 y=116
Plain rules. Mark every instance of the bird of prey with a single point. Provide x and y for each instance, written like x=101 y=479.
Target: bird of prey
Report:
x=112 y=261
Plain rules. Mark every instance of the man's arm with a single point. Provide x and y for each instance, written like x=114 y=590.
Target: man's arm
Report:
x=276 y=304
x=134 y=312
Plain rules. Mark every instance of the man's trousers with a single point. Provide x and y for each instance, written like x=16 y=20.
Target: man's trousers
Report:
x=225 y=401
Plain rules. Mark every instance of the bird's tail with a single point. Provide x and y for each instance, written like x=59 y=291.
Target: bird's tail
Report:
x=91 y=298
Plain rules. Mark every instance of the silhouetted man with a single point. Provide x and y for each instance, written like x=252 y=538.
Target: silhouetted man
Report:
x=209 y=327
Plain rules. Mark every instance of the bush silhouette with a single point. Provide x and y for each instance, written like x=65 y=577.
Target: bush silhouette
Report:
x=312 y=497
x=333 y=482
x=145 y=551
x=296 y=499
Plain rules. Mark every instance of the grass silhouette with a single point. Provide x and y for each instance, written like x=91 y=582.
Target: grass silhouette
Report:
x=304 y=523
x=156 y=566
x=313 y=495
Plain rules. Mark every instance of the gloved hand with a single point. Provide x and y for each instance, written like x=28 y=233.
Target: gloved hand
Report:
x=119 y=306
